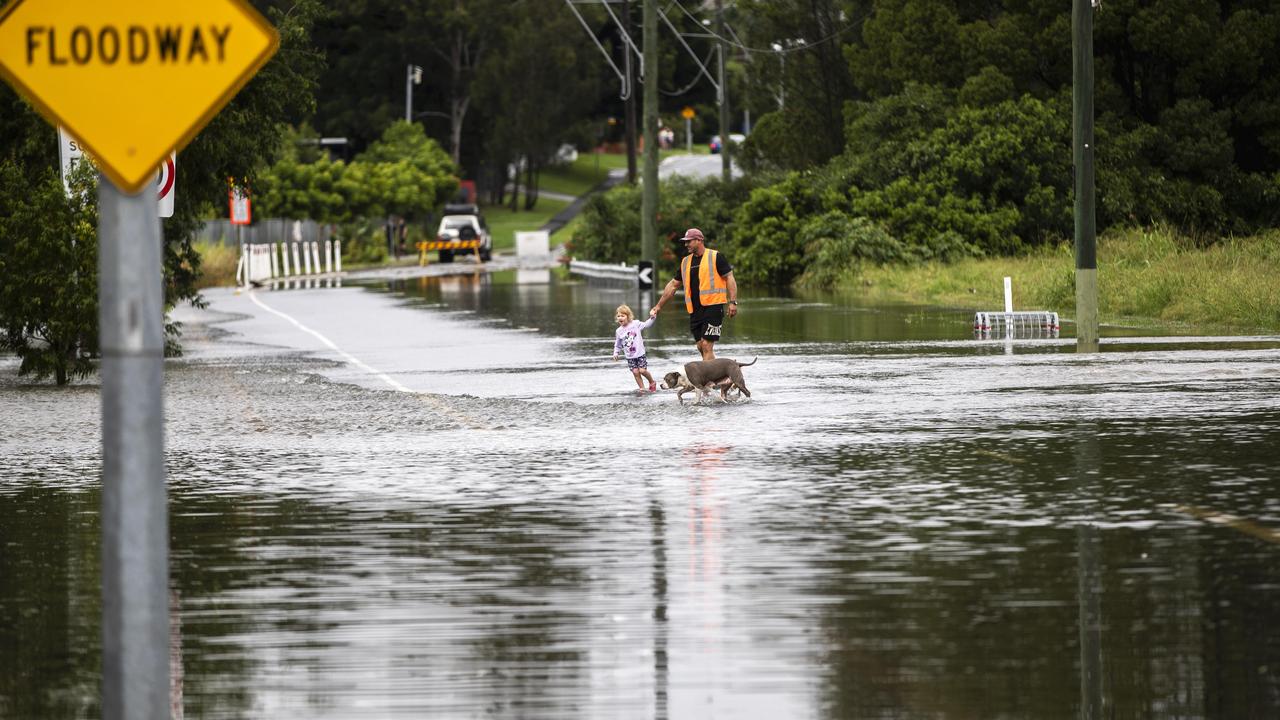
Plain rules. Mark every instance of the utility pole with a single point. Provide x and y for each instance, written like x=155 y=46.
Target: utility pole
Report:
x=649 y=191
x=630 y=109
x=725 y=161
x=1082 y=156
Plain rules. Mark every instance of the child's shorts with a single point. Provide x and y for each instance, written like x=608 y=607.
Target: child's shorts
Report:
x=637 y=363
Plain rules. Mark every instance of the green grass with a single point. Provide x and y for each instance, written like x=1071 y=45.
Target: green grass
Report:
x=217 y=265
x=503 y=223
x=1144 y=275
x=580 y=176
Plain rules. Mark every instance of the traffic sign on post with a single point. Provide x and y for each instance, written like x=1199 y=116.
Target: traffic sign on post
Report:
x=133 y=81
x=644 y=274
x=167 y=184
x=71 y=153
x=241 y=211
x=688 y=115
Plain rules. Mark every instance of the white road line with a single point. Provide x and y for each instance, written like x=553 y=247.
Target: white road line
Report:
x=462 y=418
x=329 y=343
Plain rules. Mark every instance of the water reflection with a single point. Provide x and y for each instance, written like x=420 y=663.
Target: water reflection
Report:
x=1089 y=578
x=895 y=528
x=661 y=661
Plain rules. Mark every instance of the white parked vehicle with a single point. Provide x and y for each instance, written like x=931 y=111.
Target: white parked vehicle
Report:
x=464 y=226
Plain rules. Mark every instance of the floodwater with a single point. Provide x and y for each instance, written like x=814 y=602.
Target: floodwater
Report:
x=439 y=497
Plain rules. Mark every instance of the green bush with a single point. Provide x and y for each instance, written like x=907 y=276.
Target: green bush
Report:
x=922 y=179
x=610 y=227
x=839 y=243
x=404 y=173
x=49 y=240
x=363 y=242
x=768 y=245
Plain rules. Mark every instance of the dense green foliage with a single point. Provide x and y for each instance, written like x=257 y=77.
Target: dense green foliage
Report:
x=404 y=173
x=956 y=127
x=49 y=242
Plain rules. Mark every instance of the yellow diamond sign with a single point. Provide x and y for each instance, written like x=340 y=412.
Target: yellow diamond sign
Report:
x=133 y=80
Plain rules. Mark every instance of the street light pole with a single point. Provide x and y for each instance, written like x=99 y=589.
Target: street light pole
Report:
x=412 y=76
x=630 y=104
x=725 y=144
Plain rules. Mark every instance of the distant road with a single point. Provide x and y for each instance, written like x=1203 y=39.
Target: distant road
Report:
x=698 y=166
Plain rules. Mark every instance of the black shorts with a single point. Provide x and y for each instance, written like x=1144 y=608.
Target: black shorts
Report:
x=706 y=322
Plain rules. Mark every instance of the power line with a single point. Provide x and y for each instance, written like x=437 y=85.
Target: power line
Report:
x=739 y=45
x=696 y=79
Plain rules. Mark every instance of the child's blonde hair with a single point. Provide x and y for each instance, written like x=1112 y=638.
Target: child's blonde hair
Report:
x=625 y=310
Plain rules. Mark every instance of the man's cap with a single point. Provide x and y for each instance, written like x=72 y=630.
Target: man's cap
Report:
x=693 y=234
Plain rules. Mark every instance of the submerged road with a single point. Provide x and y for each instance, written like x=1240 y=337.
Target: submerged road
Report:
x=440 y=497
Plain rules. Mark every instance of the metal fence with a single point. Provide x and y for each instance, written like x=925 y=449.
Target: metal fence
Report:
x=269 y=230
x=1022 y=324
x=621 y=273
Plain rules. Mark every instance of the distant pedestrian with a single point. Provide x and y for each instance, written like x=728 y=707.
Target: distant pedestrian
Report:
x=709 y=288
x=627 y=341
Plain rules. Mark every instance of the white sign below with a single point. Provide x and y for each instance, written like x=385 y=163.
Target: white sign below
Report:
x=71 y=152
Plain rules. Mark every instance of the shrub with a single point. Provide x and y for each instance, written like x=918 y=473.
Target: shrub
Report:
x=363 y=242
x=839 y=243
x=50 y=241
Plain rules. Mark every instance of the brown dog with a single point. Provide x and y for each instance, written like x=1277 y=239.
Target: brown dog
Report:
x=701 y=376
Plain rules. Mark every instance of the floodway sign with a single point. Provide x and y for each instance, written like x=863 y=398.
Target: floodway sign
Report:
x=132 y=80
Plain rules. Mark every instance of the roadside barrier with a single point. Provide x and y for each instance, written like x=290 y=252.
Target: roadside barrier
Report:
x=1023 y=323
x=426 y=245
x=1038 y=323
x=260 y=262
x=255 y=265
x=621 y=272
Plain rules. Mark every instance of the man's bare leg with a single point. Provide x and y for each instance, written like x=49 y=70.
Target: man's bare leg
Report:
x=708 y=349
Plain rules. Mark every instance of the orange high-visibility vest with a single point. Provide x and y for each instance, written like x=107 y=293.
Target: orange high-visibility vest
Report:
x=712 y=287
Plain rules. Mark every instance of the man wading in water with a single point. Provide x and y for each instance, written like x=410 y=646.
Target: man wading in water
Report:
x=709 y=288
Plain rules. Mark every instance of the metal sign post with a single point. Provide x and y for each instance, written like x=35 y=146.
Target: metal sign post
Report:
x=68 y=57
x=688 y=115
x=135 y=532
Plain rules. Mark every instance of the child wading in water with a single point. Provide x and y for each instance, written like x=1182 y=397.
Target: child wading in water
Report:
x=627 y=340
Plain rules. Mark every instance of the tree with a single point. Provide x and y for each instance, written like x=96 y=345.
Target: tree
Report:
x=468 y=29
x=48 y=272
x=816 y=80
x=534 y=91
x=417 y=173
x=404 y=173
